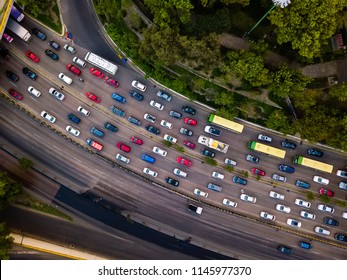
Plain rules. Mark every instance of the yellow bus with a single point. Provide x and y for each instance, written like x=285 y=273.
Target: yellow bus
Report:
x=266 y=149
x=234 y=126
x=313 y=164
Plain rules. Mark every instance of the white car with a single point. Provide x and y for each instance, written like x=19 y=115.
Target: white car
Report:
x=138 y=85
x=122 y=158
x=344 y=215
x=48 y=117
x=73 y=131
x=325 y=208
x=230 y=203
x=278 y=177
x=276 y=195
x=341 y=173
x=217 y=175
x=293 y=223
x=322 y=230
x=79 y=62
x=302 y=203
x=166 y=124
x=65 y=79
x=248 y=198
x=320 y=180
x=148 y=171
x=56 y=93
x=180 y=173
x=307 y=215
x=264 y=137
x=149 y=118
x=169 y=138
x=267 y=216
x=70 y=49
x=156 y=105
x=200 y=193
x=34 y=91
x=230 y=161
x=282 y=208
x=159 y=151
x=83 y=111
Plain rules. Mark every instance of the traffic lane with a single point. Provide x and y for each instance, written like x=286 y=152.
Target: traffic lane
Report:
x=128 y=190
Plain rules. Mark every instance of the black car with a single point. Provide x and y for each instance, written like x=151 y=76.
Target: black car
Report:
x=29 y=73
x=171 y=181
x=286 y=168
x=208 y=153
x=175 y=114
x=54 y=45
x=153 y=129
x=39 y=34
x=110 y=127
x=73 y=118
x=314 y=152
x=185 y=131
x=213 y=130
x=189 y=110
x=330 y=222
x=136 y=95
x=52 y=55
x=12 y=76
x=134 y=121
x=285 y=250
x=288 y=144
x=340 y=237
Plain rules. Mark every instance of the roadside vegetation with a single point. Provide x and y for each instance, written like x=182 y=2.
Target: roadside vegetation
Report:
x=178 y=44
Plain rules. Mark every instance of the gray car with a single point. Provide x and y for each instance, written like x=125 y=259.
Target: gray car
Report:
x=280 y=178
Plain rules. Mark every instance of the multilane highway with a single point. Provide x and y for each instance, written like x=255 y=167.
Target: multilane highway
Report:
x=199 y=174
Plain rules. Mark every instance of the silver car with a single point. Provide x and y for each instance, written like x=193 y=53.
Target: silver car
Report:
x=280 y=178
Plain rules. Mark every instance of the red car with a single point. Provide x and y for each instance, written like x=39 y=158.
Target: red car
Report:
x=326 y=192
x=184 y=161
x=32 y=56
x=190 y=121
x=96 y=73
x=136 y=140
x=189 y=144
x=15 y=94
x=257 y=171
x=93 y=97
x=123 y=147
x=111 y=82
x=73 y=69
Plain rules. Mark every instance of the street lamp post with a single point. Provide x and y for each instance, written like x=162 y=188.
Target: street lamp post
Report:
x=281 y=3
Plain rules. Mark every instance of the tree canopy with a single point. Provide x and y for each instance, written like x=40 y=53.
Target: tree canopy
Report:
x=9 y=190
x=5 y=241
x=339 y=92
x=307 y=24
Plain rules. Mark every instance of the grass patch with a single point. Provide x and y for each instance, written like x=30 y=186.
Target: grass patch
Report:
x=26 y=200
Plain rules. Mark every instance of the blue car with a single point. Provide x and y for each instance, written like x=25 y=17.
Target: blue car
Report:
x=148 y=158
x=116 y=111
x=239 y=180
x=136 y=95
x=285 y=250
x=302 y=184
x=305 y=245
x=118 y=98
x=97 y=132
x=286 y=168
x=287 y=144
x=73 y=118
x=314 y=152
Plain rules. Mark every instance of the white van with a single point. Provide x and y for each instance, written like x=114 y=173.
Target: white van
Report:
x=79 y=62
x=34 y=91
x=217 y=175
x=65 y=78
x=180 y=173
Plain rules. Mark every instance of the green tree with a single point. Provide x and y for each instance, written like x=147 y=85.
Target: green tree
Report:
x=210 y=3
x=308 y=24
x=339 y=92
x=307 y=99
x=25 y=163
x=5 y=241
x=279 y=121
x=310 y=196
x=224 y=99
x=9 y=190
x=288 y=82
x=259 y=47
x=161 y=46
x=248 y=66
x=169 y=13
x=227 y=112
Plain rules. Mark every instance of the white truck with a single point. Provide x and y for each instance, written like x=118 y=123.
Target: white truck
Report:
x=214 y=144
x=19 y=30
